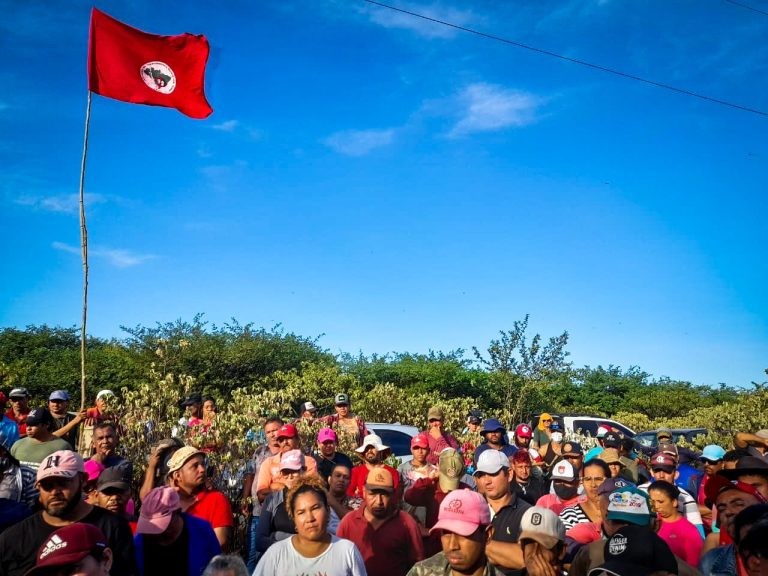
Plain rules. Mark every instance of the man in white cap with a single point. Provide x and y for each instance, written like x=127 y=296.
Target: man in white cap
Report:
x=493 y=476
x=60 y=479
x=462 y=526
x=373 y=452
x=19 y=409
x=187 y=474
x=306 y=414
x=167 y=537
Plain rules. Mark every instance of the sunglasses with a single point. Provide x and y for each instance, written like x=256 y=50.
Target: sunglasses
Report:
x=547 y=420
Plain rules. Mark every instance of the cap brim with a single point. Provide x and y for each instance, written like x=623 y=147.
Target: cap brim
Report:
x=373 y=487
x=546 y=540
x=486 y=471
x=364 y=447
x=119 y=485
x=153 y=526
x=734 y=473
x=57 y=474
x=447 y=484
x=55 y=565
x=619 y=569
x=636 y=519
x=456 y=526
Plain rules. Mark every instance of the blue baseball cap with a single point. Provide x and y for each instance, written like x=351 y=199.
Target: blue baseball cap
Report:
x=59 y=395
x=712 y=453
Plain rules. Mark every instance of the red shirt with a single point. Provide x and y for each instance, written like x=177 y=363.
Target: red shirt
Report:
x=554 y=503
x=213 y=506
x=360 y=473
x=389 y=550
x=21 y=421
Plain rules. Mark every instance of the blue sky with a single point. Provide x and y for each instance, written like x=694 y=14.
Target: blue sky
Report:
x=397 y=185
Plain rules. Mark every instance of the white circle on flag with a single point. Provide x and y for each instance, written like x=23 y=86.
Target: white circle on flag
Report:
x=159 y=77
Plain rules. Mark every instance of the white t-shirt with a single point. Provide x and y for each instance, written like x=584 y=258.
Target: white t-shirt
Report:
x=341 y=558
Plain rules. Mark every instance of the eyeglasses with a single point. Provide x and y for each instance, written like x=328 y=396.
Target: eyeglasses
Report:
x=594 y=479
x=547 y=420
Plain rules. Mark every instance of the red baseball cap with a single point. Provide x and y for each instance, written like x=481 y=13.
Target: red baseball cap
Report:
x=420 y=440
x=68 y=545
x=287 y=431
x=523 y=431
x=718 y=484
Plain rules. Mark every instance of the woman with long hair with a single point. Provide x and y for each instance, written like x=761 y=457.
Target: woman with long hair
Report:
x=683 y=538
x=312 y=550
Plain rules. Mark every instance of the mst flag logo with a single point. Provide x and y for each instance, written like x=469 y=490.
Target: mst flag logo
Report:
x=158 y=76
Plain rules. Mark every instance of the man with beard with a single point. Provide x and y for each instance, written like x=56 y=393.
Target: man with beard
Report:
x=462 y=523
x=165 y=537
x=60 y=480
x=373 y=452
x=527 y=486
x=187 y=474
x=387 y=537
x=493 y=477
x=494 y=438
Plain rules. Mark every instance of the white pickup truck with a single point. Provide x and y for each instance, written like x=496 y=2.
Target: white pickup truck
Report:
x=586 y=424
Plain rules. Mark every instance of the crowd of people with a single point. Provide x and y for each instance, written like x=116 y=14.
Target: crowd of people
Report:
x=483 y=501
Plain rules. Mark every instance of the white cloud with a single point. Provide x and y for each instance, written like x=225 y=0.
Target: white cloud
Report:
x=226 y=126
x=359 y=142
x=487 y=108
x=389 y=18
x=63 y=203
x=118 y=257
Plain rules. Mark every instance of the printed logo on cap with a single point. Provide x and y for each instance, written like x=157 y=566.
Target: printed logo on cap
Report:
x=660 y=459
x=455 y=506
x=55 y=543
x=561 y=469
x=536 y=519
x=617 y=545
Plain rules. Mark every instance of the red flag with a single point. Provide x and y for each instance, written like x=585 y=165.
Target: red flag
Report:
x=130 y=65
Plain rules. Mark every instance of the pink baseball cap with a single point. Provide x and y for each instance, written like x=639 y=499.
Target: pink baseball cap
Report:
x=157 y=510
x=292 y=460
x=61 y=464
x=326 y=435
x=94 y=469
x=462 y=512
x=68 y=545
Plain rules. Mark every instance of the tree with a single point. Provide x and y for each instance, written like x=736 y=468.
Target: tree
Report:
x=222 y=358
x=449 y=374
x=521 y=373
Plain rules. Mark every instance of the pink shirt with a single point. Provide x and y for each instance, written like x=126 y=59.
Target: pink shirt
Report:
x=683 y=539
x=554 y=503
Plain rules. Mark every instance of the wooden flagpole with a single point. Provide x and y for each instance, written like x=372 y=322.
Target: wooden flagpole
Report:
x=84 y=245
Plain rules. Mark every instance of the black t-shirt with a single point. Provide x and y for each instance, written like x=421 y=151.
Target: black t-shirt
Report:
x=506 y=527
x=531 y=491
x=173 y=558
x=19 y=544
x=325 y=466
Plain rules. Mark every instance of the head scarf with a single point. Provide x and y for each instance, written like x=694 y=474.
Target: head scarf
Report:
x=544 y=416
